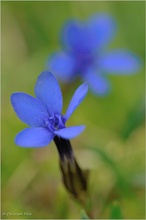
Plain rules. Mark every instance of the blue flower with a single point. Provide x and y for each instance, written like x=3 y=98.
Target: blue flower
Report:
x=85 y=54
x=43 y=113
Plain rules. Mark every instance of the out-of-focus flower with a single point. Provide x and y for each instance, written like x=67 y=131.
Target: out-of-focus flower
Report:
x=43 y=113
x=85 y=54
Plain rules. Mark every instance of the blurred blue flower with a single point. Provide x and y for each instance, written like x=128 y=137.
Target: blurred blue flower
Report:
x=85 y=54
x=43 y=113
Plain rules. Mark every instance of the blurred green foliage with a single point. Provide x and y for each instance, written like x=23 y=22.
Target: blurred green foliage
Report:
x=84 y=215
x=115 y=211
x=31 y=180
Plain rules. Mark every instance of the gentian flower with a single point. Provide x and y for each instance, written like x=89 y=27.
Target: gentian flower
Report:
x=85 y=54
x=43 y=113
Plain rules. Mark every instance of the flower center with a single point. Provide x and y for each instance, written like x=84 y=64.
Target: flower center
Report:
x=84 y=60
x=55 y=122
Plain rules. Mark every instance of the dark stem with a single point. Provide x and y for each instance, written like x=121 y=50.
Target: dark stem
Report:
x=64 y=147
x=71 y=171
x=74 y=178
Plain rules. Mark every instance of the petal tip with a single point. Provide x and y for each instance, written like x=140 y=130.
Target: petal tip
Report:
x=13 y=96
x=45 y=74
x=86 y=86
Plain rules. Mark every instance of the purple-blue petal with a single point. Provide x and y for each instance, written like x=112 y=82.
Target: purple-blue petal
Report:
x=70 y=132
x=29 y=109
x=70 y=33
x=48 y=91
x=77 y=36
x=103 y=28
x=34 y=137
x=99 y=85
x=120 y=62
x=62 y=65
x=77 y=98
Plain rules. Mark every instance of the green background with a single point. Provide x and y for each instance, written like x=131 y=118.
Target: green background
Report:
x=31 y=179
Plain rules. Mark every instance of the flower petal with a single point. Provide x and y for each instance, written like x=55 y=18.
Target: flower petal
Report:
x=71 y=33
x=62 y=65
x=77 y=37
x=34 y=137
x=120 y=62
x=103 y=28
x=48 y=91
x=98 y=84
x=70 y=132
x=29 y=109
x=77 y=98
